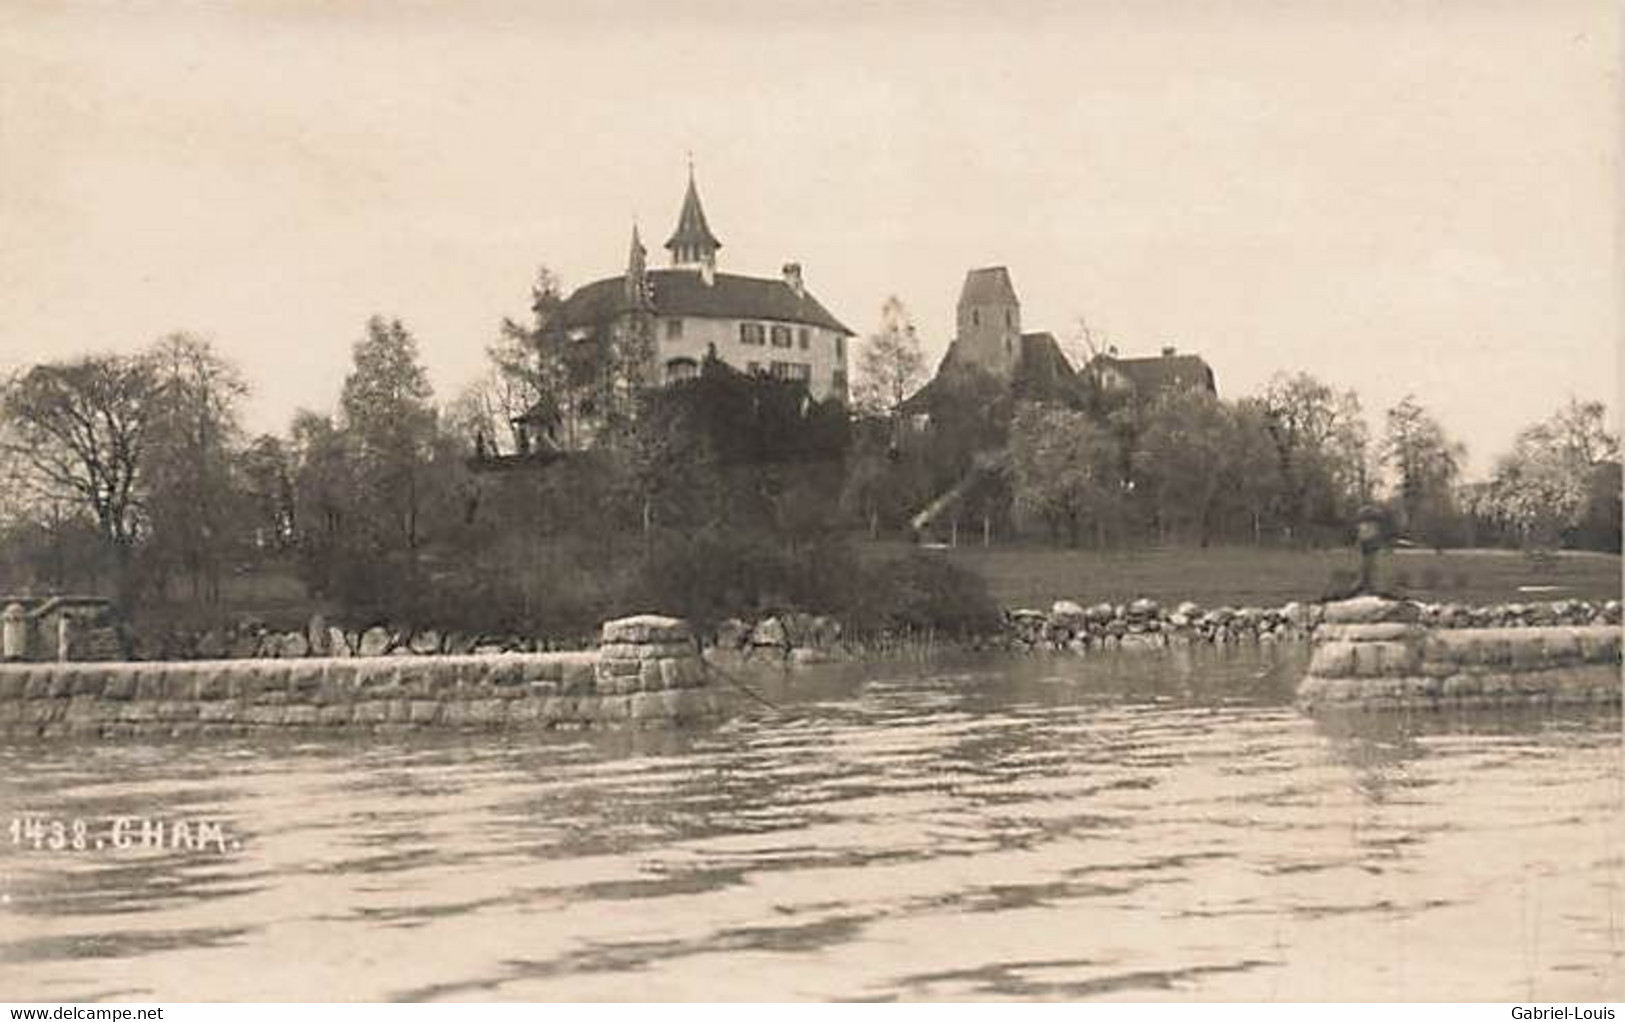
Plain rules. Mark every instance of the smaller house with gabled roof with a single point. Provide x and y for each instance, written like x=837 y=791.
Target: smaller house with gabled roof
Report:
x=1150 y=378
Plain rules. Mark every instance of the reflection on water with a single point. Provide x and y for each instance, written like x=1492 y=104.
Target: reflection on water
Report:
x=1135 y=827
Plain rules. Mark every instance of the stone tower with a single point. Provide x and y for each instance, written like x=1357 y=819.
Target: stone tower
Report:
x=989 y=333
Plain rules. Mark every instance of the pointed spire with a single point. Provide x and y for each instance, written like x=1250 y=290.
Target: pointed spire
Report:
x=692 y=242
x=638 y=255
x=637 y=271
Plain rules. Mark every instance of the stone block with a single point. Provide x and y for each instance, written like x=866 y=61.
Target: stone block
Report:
x=371 y=711
x=139 y=711
x=423 y=711
x=1528 y=652
x=415 y=679
x=1333 y=660
x=619 y=668
x=1383 y=631
x=176 y=709
x=578 y=682
x=1459 y=686
x=1422 y=687
x=1562 y=647
x=212 y=685
x=302 y=715
x=264 y=716
x=646 y=628
x=649 y=677
x=368 y=677
x=13 y=682
x=506 y=672
x=305 y=680
x=88 y=681
x=149 y=683
x=62 y=679
x=677 y=673
x=1370 y=610
x=85 y=708
x=38 y=685
x=488 y=712
x=1599 y=645
x=525 y=712
x=647 y=706
x=335 y=714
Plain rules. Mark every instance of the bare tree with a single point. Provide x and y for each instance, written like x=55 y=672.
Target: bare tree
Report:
x=80 y=430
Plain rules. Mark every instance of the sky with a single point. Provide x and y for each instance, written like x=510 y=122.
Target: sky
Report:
x=1400 y=198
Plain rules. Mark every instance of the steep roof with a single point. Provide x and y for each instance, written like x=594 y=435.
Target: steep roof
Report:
x=685 y=293
x=692 y=230
x=989 y=285
x=1042 y=372
x=1161 y=372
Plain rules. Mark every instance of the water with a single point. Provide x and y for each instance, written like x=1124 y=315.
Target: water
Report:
x=1139 y=827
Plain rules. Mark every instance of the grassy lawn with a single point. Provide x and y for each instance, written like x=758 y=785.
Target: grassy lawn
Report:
x=1037 y=576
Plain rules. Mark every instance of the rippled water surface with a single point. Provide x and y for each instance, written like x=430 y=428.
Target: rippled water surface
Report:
x=1144 y=827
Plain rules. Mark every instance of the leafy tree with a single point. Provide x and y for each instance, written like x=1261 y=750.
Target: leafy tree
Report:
x=1063 y=468
x=1320 y=443
x=1546 y=485
x=890 y=363
x=1203 y=460
x=80 y=430
x=531 y=369
x=266 y=469
x=390 y=425
x=1425 y=463
x=191 y=503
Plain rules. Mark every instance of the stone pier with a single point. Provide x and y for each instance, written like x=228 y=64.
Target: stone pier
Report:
x=646 y=673
x=1372 y=654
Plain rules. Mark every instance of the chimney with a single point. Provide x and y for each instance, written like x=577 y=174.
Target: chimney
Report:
x=708 y=271
x=1168 y=351
x=792 y=276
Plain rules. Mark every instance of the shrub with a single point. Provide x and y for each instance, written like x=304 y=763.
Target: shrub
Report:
x=920 y=592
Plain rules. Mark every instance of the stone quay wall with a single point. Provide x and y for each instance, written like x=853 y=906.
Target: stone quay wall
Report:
x=646 y=673
x=1375 y=654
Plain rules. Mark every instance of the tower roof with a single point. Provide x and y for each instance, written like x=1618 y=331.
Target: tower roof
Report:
x=988 y=286
x=692 y=230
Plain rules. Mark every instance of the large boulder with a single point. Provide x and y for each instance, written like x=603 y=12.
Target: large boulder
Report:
x=770 y=633
x=293 y=645
x=733 y=634
x=317 y=634
x=1067 y=615
x=1370 y=610
x=644 y=628
x=375 y=641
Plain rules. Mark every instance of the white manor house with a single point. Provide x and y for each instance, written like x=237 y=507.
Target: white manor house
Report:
x=766 y=325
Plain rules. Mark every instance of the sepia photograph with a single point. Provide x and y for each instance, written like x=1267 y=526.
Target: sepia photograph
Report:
x=781 y=502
